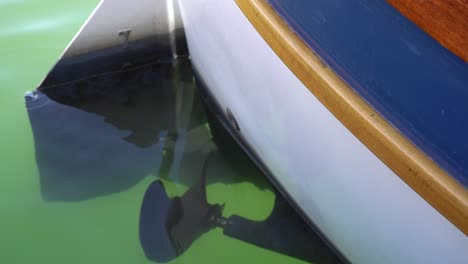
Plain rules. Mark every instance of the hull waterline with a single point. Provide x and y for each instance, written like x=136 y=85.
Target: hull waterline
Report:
x=369 y=213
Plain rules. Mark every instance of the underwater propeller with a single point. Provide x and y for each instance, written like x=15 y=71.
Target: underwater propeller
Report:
x=168 y=226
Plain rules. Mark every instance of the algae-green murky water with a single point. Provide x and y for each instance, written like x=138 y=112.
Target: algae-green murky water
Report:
x=74 y=170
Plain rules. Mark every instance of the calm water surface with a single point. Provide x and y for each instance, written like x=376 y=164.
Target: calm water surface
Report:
x=89 y=162
x=123 y=165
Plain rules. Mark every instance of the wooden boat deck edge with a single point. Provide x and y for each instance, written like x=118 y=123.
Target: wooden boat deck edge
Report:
x=406 y=160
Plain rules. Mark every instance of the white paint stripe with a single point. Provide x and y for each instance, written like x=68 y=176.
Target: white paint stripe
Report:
x=171 y=27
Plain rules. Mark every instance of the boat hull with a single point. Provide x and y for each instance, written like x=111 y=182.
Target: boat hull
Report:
x=120 y=22
x=365 y=210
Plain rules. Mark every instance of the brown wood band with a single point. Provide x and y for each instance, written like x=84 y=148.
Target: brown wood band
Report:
x=445 y=20
x=412 y=165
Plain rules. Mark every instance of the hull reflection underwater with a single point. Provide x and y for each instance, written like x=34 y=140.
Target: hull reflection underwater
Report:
x=103 y=122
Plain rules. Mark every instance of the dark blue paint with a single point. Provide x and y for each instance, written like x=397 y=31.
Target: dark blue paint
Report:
x=417 y=84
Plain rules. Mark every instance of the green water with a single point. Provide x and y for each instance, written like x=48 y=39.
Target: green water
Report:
x=104 y=228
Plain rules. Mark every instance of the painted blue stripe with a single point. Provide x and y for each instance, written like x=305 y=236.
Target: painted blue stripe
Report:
x=413 y=81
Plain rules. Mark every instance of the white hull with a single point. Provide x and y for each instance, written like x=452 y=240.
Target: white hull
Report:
x=363 y=208
x=117 y=22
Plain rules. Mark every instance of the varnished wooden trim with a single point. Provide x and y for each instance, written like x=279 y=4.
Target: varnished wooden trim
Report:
x=412 y=165
x=444 y=20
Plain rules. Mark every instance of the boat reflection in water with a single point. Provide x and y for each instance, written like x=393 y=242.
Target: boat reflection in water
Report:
x=101 y=132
